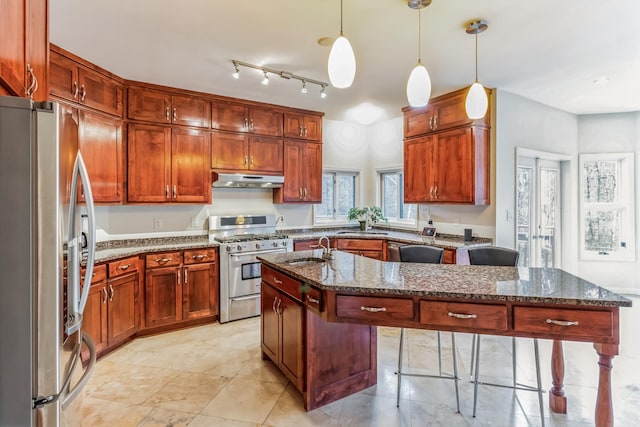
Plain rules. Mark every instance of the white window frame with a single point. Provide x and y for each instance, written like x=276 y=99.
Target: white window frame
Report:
x=625 y=204
x=396 y=222
x=338 y=219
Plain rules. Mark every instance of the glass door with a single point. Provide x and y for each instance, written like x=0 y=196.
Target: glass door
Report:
x=538 y=212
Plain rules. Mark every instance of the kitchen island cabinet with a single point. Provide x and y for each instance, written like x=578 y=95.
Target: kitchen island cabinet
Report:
x=509 y=301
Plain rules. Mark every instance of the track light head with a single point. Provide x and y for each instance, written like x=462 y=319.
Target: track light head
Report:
x=265 y=81
x=236 y=74
x=304 y=87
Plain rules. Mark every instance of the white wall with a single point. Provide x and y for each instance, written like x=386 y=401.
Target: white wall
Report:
x=613 y=133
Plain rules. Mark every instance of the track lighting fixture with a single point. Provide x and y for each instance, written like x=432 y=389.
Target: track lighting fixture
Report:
x=284 y=74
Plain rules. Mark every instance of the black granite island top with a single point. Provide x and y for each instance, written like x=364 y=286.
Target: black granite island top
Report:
x=354 y=274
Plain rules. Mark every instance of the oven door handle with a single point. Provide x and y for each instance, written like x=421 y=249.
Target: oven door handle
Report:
x=244 y=298
x=237 y=257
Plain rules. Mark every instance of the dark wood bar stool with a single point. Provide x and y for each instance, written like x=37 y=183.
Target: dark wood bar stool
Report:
x=497 y=256
x=429 y=255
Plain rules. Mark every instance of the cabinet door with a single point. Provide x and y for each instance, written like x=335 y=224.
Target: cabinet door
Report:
x=265 y=121
x=190 y=173
x=455 y=181
x=94 y=318
x=37 y=47
x=291 y=356
x=149 y=163
x=229 y=116
x=229 y=151
x=417 y=121
x=313 y=128
x=269 y=322
x=311 y=164
x=450 y=111
x=163 y=296
x=418 y=157
x=190 y=111
x=291 y=191
x=199 y=297
x=12 y=45
x=266 y=154
x=68 y=131
x=100 y=92
x=100 y=142
x=63 y=77
x=122 y=308
x=148 y=105
x=293 y=125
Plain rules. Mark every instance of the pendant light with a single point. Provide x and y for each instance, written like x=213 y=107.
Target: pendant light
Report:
x=477 y=102
x=342 y=61
x=419 y=83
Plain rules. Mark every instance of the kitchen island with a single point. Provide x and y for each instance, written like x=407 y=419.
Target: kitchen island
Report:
x=319 y=316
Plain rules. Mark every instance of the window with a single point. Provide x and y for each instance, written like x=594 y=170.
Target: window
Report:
x=391 y=199
x=606 y=215
x=338 y=196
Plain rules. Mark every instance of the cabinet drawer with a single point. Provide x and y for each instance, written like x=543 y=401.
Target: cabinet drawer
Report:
x=374 y=308
x=313 y=299
x=360 y=244
x=475 y=316
x=123 y=266
x=581 y=323
x=99 y=273
x=166 y=259
x=284 y=283
x=199 y=255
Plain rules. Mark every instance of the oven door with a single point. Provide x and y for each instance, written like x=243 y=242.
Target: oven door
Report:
x=244 y=273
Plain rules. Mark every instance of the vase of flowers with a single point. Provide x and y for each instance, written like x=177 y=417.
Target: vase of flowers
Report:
x=360 y=214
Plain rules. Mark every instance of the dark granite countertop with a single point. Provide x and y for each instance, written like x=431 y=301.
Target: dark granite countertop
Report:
x=353 y=273
x=115 y=249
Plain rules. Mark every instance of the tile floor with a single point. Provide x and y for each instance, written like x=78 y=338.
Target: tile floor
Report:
x=213 y=376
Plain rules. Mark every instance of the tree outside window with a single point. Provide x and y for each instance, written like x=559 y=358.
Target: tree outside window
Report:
x=338 y=196
x=392 y=197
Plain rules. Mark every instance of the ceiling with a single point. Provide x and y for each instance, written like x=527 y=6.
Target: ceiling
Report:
x=581 y=56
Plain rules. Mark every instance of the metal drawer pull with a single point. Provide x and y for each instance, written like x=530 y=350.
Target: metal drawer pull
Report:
x=198 y=256
x=125 y=267
x=84 y=93
x=312 y=300
x=112 y=293
x=373 y=309
x=106 y=295
x=278 y=281
x=75 y=90
x=462 y=316
x=163 y=260
x=562 y=322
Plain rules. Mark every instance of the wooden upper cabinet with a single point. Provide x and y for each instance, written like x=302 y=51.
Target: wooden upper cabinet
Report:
x=24 y=47
x=266 y=154
x=240 y=153
x=149 y=163
x=235 y=117
x=302 y=173
x=100 y=142
x=303 y=126
x=190 y=173
x=442 y=113
x=75 y=82
x=418 y=155
x=163 y=107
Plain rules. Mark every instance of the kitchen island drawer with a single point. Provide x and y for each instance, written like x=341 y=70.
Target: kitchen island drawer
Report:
x=199 y=255
x=123 y=266
x=360 y=244
x=286 y=284
x=374 y=308
x=166 y=259
x=473 y=316
x=564 y=322
x=313 y=299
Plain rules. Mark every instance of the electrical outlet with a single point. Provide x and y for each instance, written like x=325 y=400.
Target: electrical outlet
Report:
x=157 y=223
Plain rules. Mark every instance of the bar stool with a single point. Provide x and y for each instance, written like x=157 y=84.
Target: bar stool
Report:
x=429 y=255
x=496 y=256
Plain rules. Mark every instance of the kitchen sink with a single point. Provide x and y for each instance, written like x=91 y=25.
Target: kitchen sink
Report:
x=305 y=261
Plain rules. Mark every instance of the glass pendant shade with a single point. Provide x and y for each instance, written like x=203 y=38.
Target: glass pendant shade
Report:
x=419 y=86
x=342 y=63
x=477 y=102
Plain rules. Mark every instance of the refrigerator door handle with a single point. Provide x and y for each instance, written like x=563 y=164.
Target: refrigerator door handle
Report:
x=77 y=303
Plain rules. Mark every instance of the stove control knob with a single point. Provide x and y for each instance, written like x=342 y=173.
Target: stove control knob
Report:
x=257 y=245
x=228 y=248
x=275 y=244
x=239 y=247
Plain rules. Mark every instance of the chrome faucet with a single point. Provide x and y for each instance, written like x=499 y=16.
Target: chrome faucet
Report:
x=367 y=227
x=326 y=250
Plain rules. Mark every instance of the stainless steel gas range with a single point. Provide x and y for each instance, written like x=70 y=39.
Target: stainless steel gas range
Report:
x=241 y=239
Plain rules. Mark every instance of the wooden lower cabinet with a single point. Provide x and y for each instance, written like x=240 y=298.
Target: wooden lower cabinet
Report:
x=370 y=248
x=94 y=320
x=121 y=308
x=199 y=296
x=162 y=292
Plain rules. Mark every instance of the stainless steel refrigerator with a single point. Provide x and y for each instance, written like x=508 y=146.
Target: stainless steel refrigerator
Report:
x=41 y=247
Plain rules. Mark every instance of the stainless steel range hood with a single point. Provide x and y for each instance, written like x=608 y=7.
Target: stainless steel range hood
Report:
x=238 y=180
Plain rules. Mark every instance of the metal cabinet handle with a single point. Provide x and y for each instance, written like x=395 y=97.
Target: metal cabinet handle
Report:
x=75 y=90
x=431 y=192
x=562 y=322
x=198 y=256
x=435 y=190
x=251 y=124
x=435 y=122
x=186 y=277
x=277 y=281
x=462 y=316
x=373 y=309
x=175 y=114
x=166 y=191
x=125 y=267
x=312 y=300
x=166 y=113
x=431 y=123
x=251 y=161
x=246 y=123
x=278 y=309
x=273 y=306
x=106 y=295
x=305 y=131
x=84 y=93
x=112 y=292
x=246 y=160
x=178 y=276
x=300 y=191
x=175 y=191
x=34 y=82
x=304 y=193
x=300 y=130
x=163 y=260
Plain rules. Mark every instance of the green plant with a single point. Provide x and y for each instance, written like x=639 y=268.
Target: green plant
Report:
x=360 y=214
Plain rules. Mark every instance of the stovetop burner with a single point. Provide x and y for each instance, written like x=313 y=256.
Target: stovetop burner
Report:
x=249 y=237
